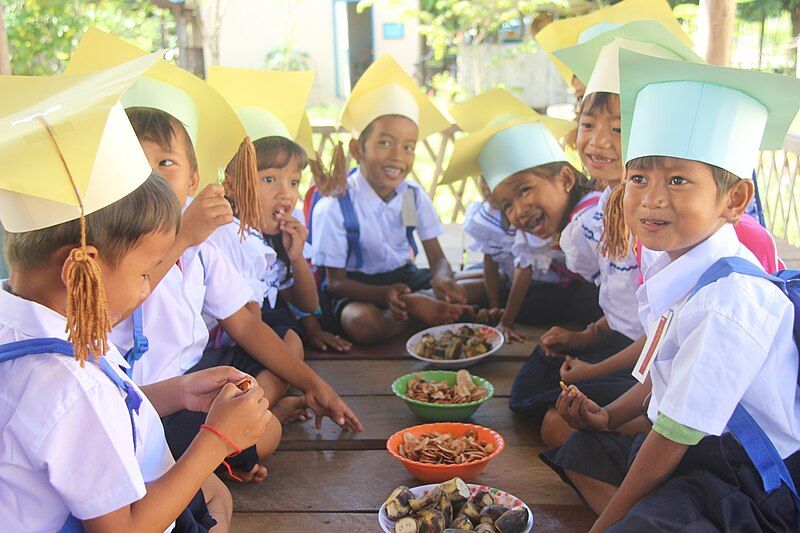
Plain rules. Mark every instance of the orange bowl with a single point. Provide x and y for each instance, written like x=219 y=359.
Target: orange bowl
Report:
x=430 y=473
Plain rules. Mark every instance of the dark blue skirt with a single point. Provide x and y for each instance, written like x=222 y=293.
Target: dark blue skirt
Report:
x=714 y=488
x=536 y=386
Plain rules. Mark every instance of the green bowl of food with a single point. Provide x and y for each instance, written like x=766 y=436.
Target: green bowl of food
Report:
x=443 y=395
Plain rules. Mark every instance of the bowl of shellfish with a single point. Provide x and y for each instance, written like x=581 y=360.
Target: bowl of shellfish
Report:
x=443 y=395
x=433 y=453
x=454 y=506
x=455 y=345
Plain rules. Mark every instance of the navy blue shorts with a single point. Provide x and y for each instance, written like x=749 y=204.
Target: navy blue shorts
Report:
x=280 y=319
x=181 y=428
x=536 y=387
x=195 y=518
x=551 y=303
x=714 y=488
x=417 y=279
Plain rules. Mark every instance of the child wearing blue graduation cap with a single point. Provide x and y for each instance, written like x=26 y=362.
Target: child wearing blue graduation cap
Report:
x=719 y=371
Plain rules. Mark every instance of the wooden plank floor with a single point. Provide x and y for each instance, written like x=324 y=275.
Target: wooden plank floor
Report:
x=334 y=481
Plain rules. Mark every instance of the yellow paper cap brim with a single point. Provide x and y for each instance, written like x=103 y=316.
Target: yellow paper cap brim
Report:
x=563 y=33
x=219 y=130
x=386 y=71
x=479 y=111
x=283 y=95
x=92 y=132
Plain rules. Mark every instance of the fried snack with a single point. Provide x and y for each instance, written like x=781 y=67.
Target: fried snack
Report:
x=444 y=448
x=461 y=343
x=439 y=392
x=245 y=384
x=567 y=388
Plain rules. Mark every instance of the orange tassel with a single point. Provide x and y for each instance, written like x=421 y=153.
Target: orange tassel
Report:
x=244 y=188
x=331 y=182
x=616 y=239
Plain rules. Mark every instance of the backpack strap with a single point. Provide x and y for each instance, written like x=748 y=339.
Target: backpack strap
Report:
x=352 y=228
x=309 y=202
x=15 y=350
x=751 y=436
x=410 y=229
x=140 y=342
x=133 y=400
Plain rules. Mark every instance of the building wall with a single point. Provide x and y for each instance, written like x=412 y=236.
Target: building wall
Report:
x=253 y=28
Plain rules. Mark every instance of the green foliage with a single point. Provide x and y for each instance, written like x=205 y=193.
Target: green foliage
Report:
x=42 y=33
x=287 y=58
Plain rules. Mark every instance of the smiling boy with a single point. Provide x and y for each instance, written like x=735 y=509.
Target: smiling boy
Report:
x=364 y=239
x=723 y=450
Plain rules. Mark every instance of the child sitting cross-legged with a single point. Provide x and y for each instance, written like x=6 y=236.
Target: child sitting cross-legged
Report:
x=720 y=370
x=539 y=192
x=83 y=446
x=364 y=238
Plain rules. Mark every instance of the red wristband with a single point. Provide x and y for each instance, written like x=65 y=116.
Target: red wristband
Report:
x=224 y=437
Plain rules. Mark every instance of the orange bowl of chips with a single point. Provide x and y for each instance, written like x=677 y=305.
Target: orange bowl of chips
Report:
x=434 y=453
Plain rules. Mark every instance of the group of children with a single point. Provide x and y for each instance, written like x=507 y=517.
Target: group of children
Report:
x=163 y=284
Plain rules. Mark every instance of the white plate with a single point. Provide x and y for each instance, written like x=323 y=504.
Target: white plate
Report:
x=500 y=497
x=494 y=337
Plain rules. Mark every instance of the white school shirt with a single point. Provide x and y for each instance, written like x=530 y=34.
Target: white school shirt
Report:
x=617 y=279
x=490 y=236
x=65 y=434
x=384 y=246
x=529 y=250
x=203 y=282
x=730 y=343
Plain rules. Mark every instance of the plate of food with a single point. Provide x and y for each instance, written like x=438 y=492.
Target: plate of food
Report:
x=443 y=395
x=455 y=345
x=454 y=504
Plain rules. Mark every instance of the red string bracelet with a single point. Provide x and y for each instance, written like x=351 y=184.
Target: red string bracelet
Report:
x=224 y=437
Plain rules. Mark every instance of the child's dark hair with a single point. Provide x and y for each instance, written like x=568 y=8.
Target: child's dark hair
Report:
x=616 y=239
x=114 y=230
x=161 y=128
x=583 y=185
x=592 y=103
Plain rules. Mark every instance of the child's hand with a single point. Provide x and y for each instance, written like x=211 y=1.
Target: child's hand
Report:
x=240 y=416
x=199 y=389
x=489 y=315
x=449 y=290
x=322 y=340
x=574 y=370
x=324 y=401
x=397 y=306
x=208 y=211
x=557 y=341
x=580 y=412
x=294 y=235
x=511 y=335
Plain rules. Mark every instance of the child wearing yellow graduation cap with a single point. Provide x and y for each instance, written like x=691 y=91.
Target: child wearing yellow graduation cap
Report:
x=585 y=357
x=266 y=243
x=82 y=444
x=202 y=282
x=719 y=371
x=539 y=192
x=365 y=237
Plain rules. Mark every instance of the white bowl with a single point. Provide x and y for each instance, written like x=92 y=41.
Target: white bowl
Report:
x=494 y=337
x=500 y=497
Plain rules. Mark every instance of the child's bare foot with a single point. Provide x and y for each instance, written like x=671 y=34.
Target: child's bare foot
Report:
x=430 y=311
x=290 y=409
x=256 y=475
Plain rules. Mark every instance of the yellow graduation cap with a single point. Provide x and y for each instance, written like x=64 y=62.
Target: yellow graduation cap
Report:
x=211 y=123
x=269 y=103
x=568 y=32
x=386 y=89
x=68 y=150
x=477 y=112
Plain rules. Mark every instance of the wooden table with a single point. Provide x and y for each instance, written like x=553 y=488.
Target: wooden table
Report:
x=334 y=481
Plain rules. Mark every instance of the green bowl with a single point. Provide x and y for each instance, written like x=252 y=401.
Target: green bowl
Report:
x=437 y=412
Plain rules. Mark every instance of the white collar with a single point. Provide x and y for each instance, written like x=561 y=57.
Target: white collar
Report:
x=667 y=282
x=368 y=195
x=34 y=320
